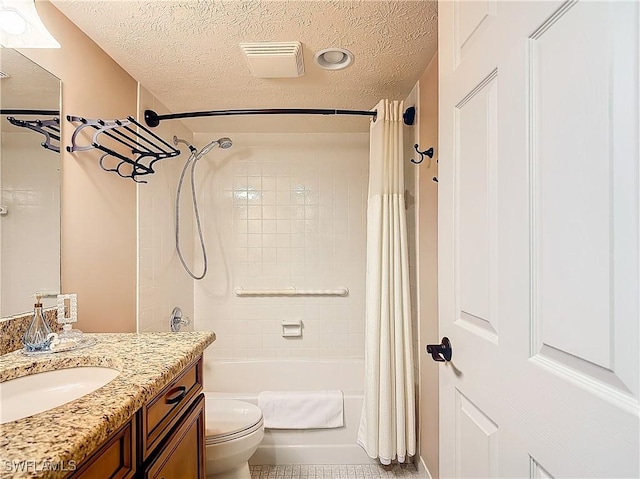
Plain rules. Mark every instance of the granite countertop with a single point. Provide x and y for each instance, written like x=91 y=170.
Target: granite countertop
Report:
x=147 y=363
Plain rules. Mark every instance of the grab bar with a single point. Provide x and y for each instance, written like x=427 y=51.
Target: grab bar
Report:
x=291 y=292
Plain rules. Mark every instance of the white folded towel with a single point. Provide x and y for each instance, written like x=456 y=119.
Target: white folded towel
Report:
x=301 y=409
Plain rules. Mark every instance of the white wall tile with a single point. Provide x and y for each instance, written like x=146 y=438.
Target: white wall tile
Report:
x=162 y=282
x=293 y=201
x=31 y=229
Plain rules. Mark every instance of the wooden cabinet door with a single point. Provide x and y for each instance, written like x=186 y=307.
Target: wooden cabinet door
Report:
x=161 y=414
x=116 y=459
x=183 y=453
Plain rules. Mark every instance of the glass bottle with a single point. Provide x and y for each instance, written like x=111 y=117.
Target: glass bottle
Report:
x=36 y=337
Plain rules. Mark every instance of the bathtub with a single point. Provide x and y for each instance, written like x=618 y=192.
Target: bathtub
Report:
x=245 y=379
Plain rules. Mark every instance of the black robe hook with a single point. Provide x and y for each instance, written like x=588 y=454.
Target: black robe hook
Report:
x=422 y=154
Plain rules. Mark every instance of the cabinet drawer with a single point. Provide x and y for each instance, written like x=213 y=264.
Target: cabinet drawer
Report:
x=182 y=454
x=115 y=459
x=160 y=414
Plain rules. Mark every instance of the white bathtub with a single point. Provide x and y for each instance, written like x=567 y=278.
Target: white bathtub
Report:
x=245 y=379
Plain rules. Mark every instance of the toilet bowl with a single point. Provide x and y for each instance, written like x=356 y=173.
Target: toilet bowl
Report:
x=234 y=430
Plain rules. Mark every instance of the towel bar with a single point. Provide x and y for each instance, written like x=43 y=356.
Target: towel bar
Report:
x=291 y=292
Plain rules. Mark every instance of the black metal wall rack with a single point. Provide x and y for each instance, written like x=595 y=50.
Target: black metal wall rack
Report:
x=49 y=128
x=145 y=147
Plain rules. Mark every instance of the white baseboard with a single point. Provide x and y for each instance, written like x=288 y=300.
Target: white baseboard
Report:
x=423 y=471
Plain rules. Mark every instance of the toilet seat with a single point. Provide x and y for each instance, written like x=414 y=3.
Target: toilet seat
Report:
x=229 y=419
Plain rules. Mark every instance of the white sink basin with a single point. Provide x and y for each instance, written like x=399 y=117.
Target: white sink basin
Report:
x=35 y=393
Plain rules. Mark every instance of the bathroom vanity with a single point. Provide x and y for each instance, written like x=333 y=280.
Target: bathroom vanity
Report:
x=148 y=422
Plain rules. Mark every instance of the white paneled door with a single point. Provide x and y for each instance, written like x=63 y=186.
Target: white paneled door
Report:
x=539 y=238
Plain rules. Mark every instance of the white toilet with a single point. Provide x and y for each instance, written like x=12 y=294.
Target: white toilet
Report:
x=234 y=431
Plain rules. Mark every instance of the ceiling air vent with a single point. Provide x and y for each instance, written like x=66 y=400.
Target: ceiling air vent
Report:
x=274 y=59
x=4 y=75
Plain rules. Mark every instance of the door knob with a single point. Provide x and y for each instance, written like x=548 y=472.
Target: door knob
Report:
x=440 y=352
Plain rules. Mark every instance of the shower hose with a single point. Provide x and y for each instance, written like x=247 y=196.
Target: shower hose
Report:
x=192 y=160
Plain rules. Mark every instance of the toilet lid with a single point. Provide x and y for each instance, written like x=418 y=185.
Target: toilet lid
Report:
x=226 y=417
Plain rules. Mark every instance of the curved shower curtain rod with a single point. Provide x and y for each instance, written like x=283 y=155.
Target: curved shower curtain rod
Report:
x=153 y=119
x=22 y=111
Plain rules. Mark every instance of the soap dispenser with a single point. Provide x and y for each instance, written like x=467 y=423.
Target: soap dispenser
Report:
x=38 y=336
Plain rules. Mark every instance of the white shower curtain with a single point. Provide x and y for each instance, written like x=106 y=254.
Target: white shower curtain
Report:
x=387 y=426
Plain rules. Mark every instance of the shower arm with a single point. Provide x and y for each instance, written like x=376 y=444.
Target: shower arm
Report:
x=153 y=119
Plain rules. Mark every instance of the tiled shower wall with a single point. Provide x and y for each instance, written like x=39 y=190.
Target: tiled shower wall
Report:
x=31 y=227
x=162 y=282
x=280 y=211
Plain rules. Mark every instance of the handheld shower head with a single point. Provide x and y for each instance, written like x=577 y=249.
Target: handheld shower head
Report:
x=207 y=148
x=225 y=143
x=195 y=156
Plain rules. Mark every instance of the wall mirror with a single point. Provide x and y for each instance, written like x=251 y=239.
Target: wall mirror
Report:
x=29 y=182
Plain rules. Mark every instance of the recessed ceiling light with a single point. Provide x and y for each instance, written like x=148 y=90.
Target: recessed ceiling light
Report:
x=12 y=22
x=21 y=27
x=333 y=58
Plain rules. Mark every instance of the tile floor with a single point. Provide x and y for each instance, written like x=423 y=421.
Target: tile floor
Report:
x=310 y=471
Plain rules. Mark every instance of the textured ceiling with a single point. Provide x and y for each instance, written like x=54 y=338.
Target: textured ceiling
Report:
x=187 y=53
x=29 y=86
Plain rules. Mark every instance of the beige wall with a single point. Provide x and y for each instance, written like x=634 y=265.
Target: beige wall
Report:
x=411 y=136
x=98 y=208
x=428 y=267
